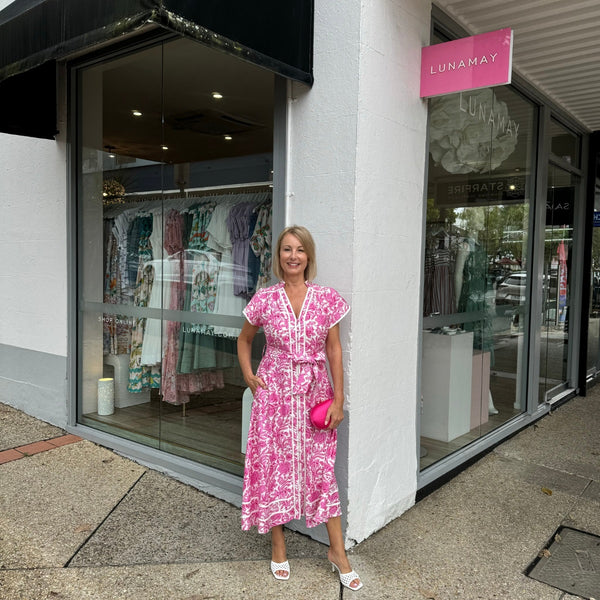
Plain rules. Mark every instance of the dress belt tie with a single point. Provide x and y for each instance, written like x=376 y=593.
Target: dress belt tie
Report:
x=306 y=370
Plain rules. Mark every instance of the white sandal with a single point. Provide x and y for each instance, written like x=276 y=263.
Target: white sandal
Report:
x=347 y=578
x=284 y=566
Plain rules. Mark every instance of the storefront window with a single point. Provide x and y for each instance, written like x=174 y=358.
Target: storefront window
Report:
x=563 y=189
x=476 y=282
x=593 y=353
x=565 y=144
x=174 y=216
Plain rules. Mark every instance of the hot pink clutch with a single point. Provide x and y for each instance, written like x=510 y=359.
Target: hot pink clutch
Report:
x=318 y=414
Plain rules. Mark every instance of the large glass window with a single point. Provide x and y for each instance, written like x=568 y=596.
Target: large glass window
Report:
x=175 y=156
x=563 y=190
x=593 y=350
x=480 y=192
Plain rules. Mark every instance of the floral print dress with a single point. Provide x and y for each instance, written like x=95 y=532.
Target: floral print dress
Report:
x=289 y=467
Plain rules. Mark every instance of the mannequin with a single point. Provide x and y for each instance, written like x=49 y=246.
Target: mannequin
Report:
x=462 y=254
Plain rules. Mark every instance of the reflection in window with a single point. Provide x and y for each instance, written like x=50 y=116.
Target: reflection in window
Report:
x=564 y=143
x=175 y=206
x=475 y=297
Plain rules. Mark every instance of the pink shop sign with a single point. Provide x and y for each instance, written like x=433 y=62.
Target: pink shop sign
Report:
x=467 y=64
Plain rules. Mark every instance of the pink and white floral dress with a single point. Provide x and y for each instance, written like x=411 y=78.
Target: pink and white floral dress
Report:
x=289 y=467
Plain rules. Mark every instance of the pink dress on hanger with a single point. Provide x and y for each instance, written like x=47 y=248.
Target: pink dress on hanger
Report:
x=289 y=467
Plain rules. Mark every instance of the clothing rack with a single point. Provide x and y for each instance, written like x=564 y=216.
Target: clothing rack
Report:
x=236 y=188
x=149 y=200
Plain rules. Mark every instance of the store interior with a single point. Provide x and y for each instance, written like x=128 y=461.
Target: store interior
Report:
x=175 y=206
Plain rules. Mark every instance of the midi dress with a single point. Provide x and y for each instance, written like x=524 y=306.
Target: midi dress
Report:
x=289 y=468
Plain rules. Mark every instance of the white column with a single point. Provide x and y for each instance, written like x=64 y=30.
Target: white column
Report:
x=356 y=179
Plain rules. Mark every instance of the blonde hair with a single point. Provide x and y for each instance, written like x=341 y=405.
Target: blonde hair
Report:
x=308 y=244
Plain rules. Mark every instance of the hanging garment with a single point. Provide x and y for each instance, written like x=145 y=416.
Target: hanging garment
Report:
x=141 y=376
x=155 y=331
x=289 y=468
x=226 y=302
x=260 y=243
x=237 y=225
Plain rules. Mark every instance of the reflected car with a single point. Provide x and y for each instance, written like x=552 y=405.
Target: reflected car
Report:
x=511 y=290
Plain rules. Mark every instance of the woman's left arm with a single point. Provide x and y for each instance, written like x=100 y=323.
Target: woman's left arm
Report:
x=333 y=348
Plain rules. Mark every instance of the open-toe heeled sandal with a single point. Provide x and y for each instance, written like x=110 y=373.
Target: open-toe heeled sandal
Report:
x=284 y=566
x=347 y=578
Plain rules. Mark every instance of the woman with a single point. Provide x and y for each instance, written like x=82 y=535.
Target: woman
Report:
x=289 y=463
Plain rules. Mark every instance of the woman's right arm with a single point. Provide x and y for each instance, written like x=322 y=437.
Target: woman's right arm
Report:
x=244 y=349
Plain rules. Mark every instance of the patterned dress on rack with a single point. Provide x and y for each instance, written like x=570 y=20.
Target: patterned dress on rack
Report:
x=289 y=467
x=260 y=243
x=141 y=376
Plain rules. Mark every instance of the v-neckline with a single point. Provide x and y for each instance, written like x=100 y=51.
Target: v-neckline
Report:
x=296 y=316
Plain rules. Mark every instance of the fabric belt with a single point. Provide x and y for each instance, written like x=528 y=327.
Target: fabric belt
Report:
x=306 y=368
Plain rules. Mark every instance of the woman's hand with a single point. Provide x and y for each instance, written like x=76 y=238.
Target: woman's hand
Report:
x=244 y=347
x=335 y=415
x=253 y=382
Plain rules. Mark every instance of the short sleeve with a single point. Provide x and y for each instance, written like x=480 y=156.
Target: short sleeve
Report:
x=255 y=308
x=338 y=307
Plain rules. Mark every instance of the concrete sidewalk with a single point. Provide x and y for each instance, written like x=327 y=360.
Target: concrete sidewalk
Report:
x=78 y=521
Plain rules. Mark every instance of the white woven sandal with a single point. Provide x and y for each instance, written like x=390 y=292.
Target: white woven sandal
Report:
x=347 y=578
x=284 y=566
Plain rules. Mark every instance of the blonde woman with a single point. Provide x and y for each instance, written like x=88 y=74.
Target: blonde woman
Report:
x=289 y=469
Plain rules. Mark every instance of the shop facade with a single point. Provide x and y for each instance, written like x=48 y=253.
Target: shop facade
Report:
x=140 y=226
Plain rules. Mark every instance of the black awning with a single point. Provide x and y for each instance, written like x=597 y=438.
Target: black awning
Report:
x=275 y=34
x=28 y=102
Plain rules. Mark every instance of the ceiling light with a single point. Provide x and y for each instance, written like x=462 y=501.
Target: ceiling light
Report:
x=136 y=113
x=217 y=95
x=164 y=147
x=227 y=138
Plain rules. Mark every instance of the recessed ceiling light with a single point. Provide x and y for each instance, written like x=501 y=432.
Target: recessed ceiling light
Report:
x=228 y=138
x=136 y=113
x=217 y=95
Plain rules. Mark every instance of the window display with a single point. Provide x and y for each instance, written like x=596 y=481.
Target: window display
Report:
x=480 y=189
x=175 y=209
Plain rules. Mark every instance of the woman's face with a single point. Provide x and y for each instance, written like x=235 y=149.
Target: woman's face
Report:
x=292 y=257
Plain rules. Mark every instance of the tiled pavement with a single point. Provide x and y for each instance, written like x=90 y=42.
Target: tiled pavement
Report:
x=79 y=522
x=37 y=447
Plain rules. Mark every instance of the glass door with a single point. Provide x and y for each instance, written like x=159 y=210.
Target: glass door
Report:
x=563 y=189
x=593 y=353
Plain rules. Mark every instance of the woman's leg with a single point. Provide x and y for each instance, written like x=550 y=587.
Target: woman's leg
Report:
x=278 y=553
x=337 y=551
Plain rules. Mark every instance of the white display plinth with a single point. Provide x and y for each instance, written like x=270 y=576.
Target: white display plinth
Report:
x=446 y=385
x=123 y=397
x=480 y=389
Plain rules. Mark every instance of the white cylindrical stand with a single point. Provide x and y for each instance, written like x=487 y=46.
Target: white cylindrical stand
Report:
x=106 y=396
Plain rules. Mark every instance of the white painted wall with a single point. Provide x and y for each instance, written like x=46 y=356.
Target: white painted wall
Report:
x=357 y=169
x=33 y=243
x=33 y=291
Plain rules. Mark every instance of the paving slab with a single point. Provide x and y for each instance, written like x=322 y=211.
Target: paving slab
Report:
x=251 y=580
x=19 y=429
x=165 y=521
x=548 y=480
x=472 y=538
x=584 y=515
x=566 y=439
x=53 y=501
x=592 y=492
